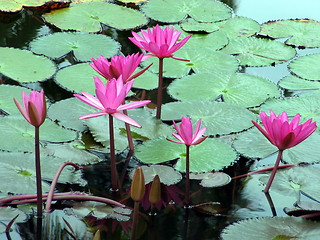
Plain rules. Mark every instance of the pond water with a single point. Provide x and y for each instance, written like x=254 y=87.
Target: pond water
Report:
x=240 y=199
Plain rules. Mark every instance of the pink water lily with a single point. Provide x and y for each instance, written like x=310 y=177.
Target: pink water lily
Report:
x=283 y=133
x=34 y=110
x=109 y=100
x=185 y=133
x=161 y=43
x=119 y=65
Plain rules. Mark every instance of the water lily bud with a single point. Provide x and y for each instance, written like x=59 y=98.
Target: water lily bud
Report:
x=155 y=190
x=137 y=185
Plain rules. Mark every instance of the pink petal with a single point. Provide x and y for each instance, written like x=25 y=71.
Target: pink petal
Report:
x=133 y=105
x=126 y=119
x=92 y=115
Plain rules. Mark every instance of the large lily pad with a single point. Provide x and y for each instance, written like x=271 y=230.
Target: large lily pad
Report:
x=7 y=93
x=175 y=11
x=210 y=155
x=301 y=32
x=238 y=88
x=87 y=17
x=258 y=51
x=295 y=83
x=217 y=117
x=276 y=228
x=306 y=67
x=24 y=66
x=212 y=41
x=81 y=45
x=18 y=134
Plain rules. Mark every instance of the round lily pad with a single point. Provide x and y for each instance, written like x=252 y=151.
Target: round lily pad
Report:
x=79 y=43
x=17 y=5
x=7 y=93
x=296 y=83
x=24 y=66
x=238 y=88
x=191 y=25
x=306 y=67
x=210 y=155
x=175 y=11
x=212 y=179
x=301 y=32
x=87 y=17
x=217 y=117
x=258 y=51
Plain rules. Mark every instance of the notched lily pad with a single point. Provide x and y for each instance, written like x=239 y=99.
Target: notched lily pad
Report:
x=301 y=32
x=292 y=82
x=24 y=66
x=191 y=25
x=306 y=67
x=80 y=44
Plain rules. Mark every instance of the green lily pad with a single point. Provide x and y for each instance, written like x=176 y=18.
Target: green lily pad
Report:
x=207 y=156
x=201 y=60
x=7 y=93
x=87 y=17
x=191 y=25
x=7 y=214
x=17 y=5
x=238 y=88
x=217 y=117
x=79 y=43
x=212 y=179
x=18 y=134
x=147 y=80
x=301 y=32
x=175 y=11
x=253 y=144
x=295 y=83
x=77 y=78
x=306 y=67
x=167 y=175
x=276 y=228
x=212 y=41
x=258 y=51
x=24 y=66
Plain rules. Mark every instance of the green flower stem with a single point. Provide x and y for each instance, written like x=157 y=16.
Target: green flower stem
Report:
x=38 y=173
x=274 y=171
x=129 y=135
x=160 y=86
x=54 y=183
x=187 y=194
x=135 y=220
x=114 y=172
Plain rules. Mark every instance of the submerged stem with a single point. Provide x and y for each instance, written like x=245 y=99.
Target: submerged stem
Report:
x=274 y=171
x=114 y=172
x=160 y=84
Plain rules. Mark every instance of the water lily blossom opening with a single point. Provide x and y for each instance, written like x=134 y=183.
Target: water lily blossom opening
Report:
x=284 y=134
x=34 y=108
x=185 y=135
x=119 y=65
x=109 y=100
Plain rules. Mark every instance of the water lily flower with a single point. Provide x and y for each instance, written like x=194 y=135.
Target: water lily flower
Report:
x=161 y=43
x=110 y=98
x=119 y=65
x=35 y=109
x=283 y=133
x=185 y=133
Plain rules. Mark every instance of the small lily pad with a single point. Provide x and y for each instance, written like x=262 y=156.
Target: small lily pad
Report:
x=7 y=93
x=24 y=66
x=238 y=88
x=175 y=11
x=212 y=179
x=79 y=43
x=258 y=51
x=296 y=83
x=191 y=25
x=301 y=32
x=217 y=117
x=306 y=67
x=207 y=156
x=17 y=5
x=87 y=17
x=168 y=175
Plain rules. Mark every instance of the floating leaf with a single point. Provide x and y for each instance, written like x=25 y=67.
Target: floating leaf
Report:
x=147 y=80
x=24 y=66
x=191 y=25
x=87 y=17
x=7 y=93
x=238 y=88
x=258 y=51
x=301 y=32
x=210 y=42
x=17 y=5
x=276 y=228
x=306 y=67
x=83 y=45
x=175 y=11
x=217 y=117
x=167 y=175
x=212 y=179
x=18 y=134
x=205 y=157
x=295 y=83
x=7 y=214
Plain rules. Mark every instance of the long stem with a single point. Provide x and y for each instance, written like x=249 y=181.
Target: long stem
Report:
x=160 y=84
x=187 y=195
x=274 y=171
x=135 y=220
x=38 y=173
x=114 y=172
x=129 y=135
